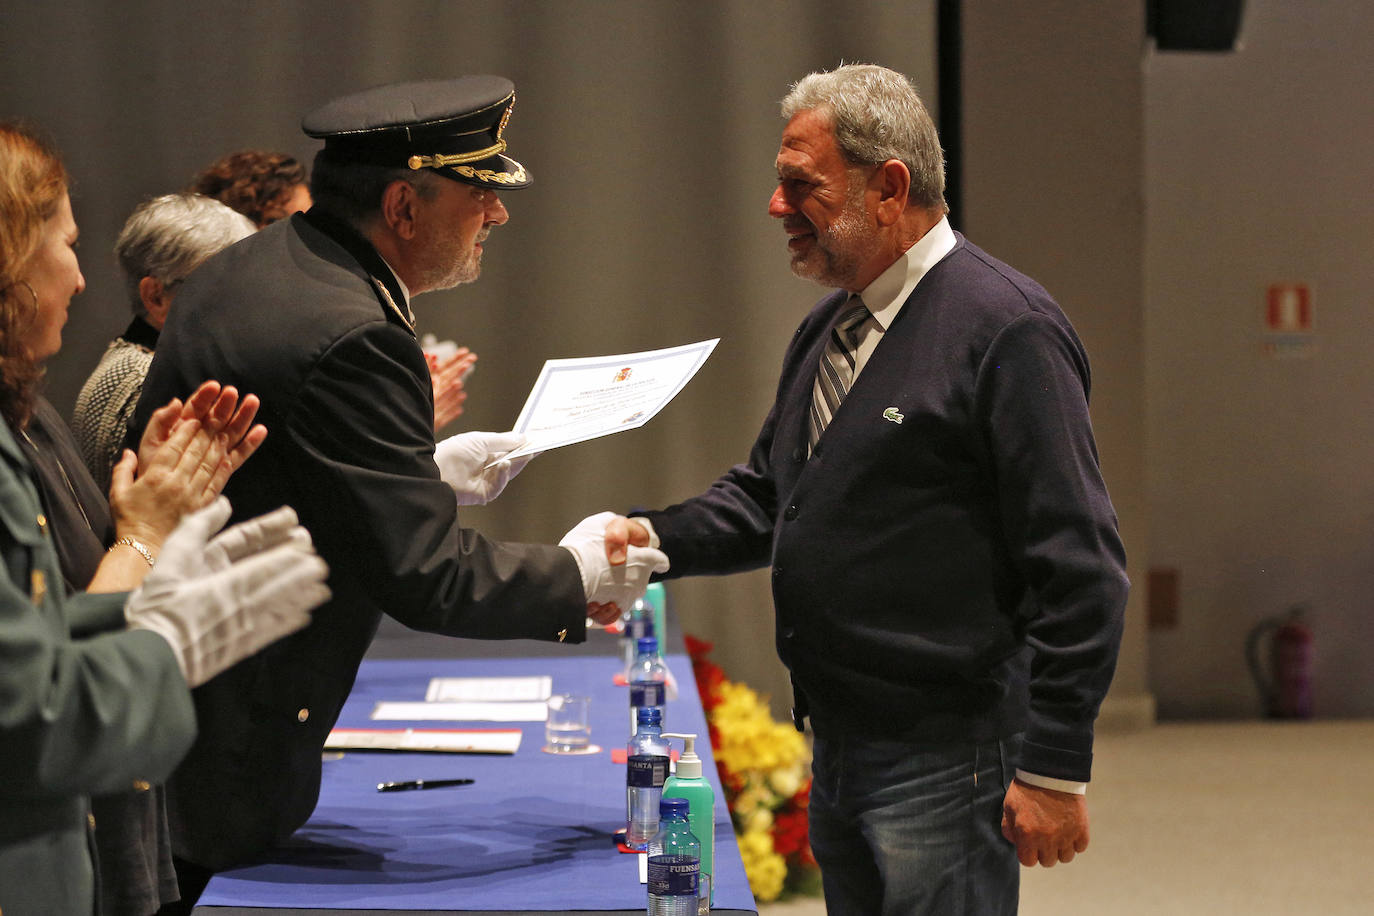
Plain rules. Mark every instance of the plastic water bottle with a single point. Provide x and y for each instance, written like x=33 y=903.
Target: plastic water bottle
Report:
x=674 y=862
x=639 y=622
x=646 y=769
x=648 y=679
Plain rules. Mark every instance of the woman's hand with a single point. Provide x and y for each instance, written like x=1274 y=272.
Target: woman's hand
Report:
x=214 y=407
x=185 y=457
x=447 y=378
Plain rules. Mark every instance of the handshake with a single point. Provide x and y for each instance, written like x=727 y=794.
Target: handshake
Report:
x=615 y=556
x=615 y=569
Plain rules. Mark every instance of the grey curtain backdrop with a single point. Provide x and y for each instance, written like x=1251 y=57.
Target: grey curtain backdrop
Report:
x=650 y=129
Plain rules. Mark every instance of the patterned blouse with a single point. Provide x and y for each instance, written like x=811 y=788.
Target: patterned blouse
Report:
x=107 y=400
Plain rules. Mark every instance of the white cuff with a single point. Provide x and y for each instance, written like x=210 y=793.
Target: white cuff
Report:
x=1049 y=782
x=587 y=583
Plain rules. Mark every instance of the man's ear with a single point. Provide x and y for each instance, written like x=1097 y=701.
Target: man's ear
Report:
x=399 y=209
x=894 y=188
x=156 y=300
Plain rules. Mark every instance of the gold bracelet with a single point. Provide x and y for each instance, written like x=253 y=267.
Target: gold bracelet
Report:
x=139 y=546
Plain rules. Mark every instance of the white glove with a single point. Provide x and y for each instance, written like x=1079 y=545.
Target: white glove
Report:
x=463 y=461
x=604 y=583
x=218 y=601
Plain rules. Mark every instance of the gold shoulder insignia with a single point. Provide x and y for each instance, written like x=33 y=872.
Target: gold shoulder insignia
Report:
x=407 y=318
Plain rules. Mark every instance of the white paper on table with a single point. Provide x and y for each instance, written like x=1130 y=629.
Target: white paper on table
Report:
x=458 y=741
x=476 y=711
x=574 y=400
x=537 y=687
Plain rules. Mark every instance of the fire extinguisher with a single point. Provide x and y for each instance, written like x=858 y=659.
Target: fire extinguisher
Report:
x=1286 y=687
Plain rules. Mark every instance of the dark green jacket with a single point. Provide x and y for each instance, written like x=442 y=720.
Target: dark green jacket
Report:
x=85 y=707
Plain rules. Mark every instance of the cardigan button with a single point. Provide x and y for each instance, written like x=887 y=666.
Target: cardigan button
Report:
x=790 y=513
x=302 y=715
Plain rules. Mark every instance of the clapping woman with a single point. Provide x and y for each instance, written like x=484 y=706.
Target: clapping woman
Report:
x=94 y=687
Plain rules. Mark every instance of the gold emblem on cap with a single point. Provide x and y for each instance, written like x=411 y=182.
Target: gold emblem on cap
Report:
x=449 y=160
x=505 y=118
x=562 y=634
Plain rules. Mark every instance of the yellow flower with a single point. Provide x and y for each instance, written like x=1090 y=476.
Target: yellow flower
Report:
x=755 y=844
x=758 y=821
x=766 y=762
x=764 y=867
x=750 y=800
x=787 y=780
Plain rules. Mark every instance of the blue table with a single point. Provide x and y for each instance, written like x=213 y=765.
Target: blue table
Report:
x=532 y=834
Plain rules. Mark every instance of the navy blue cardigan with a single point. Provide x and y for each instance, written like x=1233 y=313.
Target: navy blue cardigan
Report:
x=946 y=565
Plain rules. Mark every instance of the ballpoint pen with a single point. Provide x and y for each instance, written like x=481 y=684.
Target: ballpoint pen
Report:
x=421 y=784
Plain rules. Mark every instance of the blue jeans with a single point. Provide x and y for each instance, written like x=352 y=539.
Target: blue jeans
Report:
x=903 y=828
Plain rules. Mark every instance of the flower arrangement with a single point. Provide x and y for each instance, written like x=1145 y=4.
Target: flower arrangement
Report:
x=764 y=769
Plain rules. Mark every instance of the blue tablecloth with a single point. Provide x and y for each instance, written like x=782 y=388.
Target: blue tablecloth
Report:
x=533 y=833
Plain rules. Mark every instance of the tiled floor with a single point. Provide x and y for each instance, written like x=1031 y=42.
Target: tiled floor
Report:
x=1224 y=819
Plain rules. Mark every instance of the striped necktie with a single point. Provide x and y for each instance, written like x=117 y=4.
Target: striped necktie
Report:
x=836 y=372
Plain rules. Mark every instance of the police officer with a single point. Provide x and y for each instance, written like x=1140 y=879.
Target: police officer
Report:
x=313 y=314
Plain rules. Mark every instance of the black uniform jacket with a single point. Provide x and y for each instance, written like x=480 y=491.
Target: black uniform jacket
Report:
x=306 y=315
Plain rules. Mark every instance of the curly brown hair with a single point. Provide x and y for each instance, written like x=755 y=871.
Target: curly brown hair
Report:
x=254 y=182
x=33 y=182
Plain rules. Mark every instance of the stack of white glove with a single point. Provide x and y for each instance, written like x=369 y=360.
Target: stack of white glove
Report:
x=219 y=599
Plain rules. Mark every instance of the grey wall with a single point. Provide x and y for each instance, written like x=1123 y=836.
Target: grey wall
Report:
x=1053 y=185
x=1158 y=194
x=650 y=130
x=1259 y=170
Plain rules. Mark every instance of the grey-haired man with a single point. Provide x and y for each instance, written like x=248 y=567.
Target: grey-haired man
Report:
x=947 y=575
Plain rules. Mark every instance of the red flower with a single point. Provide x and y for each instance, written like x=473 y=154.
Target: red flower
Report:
x=697 y=649
x=707 y=674
x=733 y=783
x=790 y=834
x=709 y=679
